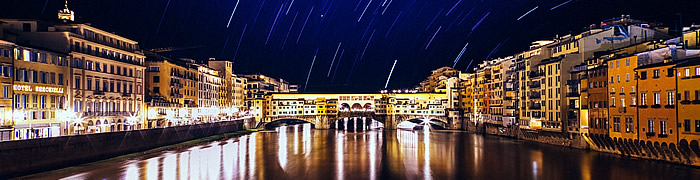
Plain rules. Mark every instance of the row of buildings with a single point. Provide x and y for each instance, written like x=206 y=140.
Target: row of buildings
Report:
x=65 y=78
x=622 y=79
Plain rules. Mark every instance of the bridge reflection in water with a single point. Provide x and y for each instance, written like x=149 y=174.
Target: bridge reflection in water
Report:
x=299 y=152
x=356 y=124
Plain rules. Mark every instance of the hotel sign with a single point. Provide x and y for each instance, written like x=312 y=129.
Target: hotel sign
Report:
x=44 y=89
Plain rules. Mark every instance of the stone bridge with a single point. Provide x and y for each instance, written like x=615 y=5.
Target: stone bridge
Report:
x=389 y=121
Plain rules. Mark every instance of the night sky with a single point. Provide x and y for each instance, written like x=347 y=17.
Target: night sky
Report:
x=281 y=37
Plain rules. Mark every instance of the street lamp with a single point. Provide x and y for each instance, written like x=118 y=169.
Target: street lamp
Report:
x=74 y=118
x=131 y=120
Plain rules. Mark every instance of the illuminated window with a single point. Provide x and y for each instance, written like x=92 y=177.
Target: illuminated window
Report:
x=662 y=126
x=657 y=73
x=670 y=98
x=657 y=98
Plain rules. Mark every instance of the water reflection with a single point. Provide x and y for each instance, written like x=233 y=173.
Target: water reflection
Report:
x=298 y=152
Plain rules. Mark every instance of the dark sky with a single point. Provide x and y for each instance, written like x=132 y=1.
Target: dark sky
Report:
x=273 y=42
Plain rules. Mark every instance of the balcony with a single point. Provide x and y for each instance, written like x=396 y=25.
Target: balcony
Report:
x=112 y=44
x=535 y=96
x=175 y=95
x=622 y=109
x=535 y=107
x=534 y=74
x=579 y=68
x=98 y=93
x=573 y=94
x=535 y=85
x=104 y=55
x=176 y=85
x=649 y=134
x=98 y=114
x=663 y=135
x=572 y=82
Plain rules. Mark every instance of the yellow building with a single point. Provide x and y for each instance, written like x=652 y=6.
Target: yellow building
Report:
x=225 y=69
x=437 y=79
x=38 y=92
x=106 y=75
x=6 y=59
x=691 y=39
x=483 y=78
x=172 y=89
x=238 y=93
x=466 y=94
x=689 y=102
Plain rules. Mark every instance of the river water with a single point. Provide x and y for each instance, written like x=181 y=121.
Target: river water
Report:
x=299 y=152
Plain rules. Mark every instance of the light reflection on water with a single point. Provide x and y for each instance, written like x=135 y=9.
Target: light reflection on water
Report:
x=298 y=152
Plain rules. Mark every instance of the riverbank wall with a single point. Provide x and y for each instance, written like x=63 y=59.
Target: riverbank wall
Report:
x=36 y=155
x=680 y=154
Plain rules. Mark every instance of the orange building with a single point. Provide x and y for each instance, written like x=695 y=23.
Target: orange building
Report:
x=689 y=102
x=597 y=98
x=657 y=112
x=623 y=97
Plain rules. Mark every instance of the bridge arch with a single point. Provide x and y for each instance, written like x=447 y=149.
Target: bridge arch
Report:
x=435 y=123
x=291 y=120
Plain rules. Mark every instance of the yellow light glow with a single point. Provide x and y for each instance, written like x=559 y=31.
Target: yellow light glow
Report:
x=48 y=89
x=22 y=88
x=28 y=88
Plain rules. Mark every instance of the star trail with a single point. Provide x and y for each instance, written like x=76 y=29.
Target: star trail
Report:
x=278 y=37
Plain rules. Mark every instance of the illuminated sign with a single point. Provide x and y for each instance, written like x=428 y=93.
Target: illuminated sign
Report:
x=48 y=89
x=23 y=88
x=38 y=89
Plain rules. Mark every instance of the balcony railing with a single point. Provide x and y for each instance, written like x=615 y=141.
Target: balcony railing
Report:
x=176 y=85
x=175 y=95
x=104 y=55
x=98 y=114
x=535 y=74
x=573 y=94
x=114 y=45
